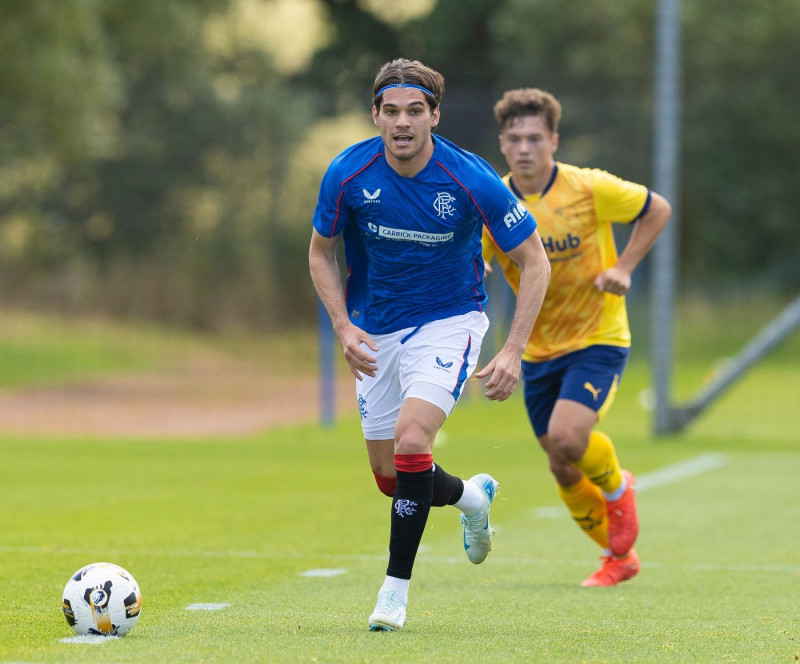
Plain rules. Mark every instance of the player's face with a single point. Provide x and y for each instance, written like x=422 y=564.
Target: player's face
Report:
x=406 y=121
x=528 y=146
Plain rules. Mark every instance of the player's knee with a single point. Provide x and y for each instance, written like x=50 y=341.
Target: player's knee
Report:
x=567 y=445
x=412 y=440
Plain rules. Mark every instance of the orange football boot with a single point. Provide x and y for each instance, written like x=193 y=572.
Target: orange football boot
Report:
x=614 y=570
x=623 y=522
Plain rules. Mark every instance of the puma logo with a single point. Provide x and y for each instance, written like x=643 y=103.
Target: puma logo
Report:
x=594 y=390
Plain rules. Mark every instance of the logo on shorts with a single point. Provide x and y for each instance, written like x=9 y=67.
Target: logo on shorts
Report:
x=442 y=366
x=405 y=507
x=362 y=407
x=594 y=390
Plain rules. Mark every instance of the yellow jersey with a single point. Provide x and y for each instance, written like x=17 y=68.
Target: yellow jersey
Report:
x=574 y=214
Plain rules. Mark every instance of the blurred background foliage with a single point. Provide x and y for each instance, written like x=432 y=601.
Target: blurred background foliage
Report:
x=161 y=160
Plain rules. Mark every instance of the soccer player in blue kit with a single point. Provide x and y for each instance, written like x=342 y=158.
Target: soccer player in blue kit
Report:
x=410 y=208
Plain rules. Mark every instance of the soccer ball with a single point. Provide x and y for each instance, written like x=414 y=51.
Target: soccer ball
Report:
x=102 y=599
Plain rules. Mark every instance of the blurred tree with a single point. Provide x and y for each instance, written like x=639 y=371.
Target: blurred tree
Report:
x=59 y=86
x=450 y=36
x=739 y=135
x=742 y=141
x=162 y=159
x=174 y=219
x=597 y=59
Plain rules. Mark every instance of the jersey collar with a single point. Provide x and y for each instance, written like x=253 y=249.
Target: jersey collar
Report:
x=549 y=184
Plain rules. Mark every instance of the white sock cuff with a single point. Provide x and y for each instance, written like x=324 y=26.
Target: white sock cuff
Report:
x=616 y=495
x=400 y=586
x=472 y=498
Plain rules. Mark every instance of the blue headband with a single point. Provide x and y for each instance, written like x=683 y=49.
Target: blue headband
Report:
x=405 y=85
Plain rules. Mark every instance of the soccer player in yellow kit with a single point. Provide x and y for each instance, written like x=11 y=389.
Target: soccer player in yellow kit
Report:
x=579 y=345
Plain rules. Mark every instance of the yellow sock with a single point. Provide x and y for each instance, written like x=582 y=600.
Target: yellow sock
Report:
x=600 y=464
x=587 y=506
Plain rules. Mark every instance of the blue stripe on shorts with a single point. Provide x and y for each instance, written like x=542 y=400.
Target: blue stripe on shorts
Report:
x=462 y=374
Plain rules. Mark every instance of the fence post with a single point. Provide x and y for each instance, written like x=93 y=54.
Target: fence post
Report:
x=327 y=369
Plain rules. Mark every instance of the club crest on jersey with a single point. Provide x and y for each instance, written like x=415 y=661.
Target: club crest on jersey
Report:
x=374 y=197
x=442 y=204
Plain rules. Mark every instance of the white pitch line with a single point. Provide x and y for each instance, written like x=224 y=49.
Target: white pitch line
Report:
x=666 y=475
x=681 y=470
x=208 y=606
x=89 y=639
x=323 y=572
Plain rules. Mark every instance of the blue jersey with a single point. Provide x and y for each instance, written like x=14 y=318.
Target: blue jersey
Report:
x=413 y=245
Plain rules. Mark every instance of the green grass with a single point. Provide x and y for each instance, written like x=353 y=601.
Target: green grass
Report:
x=40 y=350
x=238 y=520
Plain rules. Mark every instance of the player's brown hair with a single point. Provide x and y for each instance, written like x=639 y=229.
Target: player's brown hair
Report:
x=523 y=102
x=411 y=72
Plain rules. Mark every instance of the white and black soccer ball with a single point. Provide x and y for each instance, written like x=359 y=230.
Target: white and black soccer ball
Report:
x=102 y=599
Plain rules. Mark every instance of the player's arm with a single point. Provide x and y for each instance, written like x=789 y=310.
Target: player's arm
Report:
x=328 y=282
x=648 y=227
x=504 y=369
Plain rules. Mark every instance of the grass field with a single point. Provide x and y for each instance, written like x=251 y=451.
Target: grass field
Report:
x=287 y=534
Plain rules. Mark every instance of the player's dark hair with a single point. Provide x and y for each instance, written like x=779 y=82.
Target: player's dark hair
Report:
x=528 y=101
x=410 y=72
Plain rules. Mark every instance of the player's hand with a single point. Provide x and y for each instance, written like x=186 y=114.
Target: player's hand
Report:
x=503 y=373
x=614 y=280
x=358 y=359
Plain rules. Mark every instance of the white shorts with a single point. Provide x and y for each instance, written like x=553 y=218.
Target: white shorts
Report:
x=432 y=362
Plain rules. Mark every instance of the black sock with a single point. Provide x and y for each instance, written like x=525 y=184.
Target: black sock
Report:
x=410 y=507
x=447 y=489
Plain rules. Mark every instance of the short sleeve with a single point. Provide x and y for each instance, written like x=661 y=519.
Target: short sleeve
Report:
x=508 y=221
x=332 y=212
x=617 y=200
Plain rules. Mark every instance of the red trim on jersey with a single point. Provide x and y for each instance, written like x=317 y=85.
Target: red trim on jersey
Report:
x=469 y=193
x=413 y=463
x=341 y=191
x=485 y=222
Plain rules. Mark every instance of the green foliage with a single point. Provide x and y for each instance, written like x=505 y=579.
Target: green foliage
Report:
x=148 y=150
x=58 y=82
x=604 y=84
x=38 y=350
x=739 y=140
x=172 y=216
x=46 y=350
x=739 y=84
